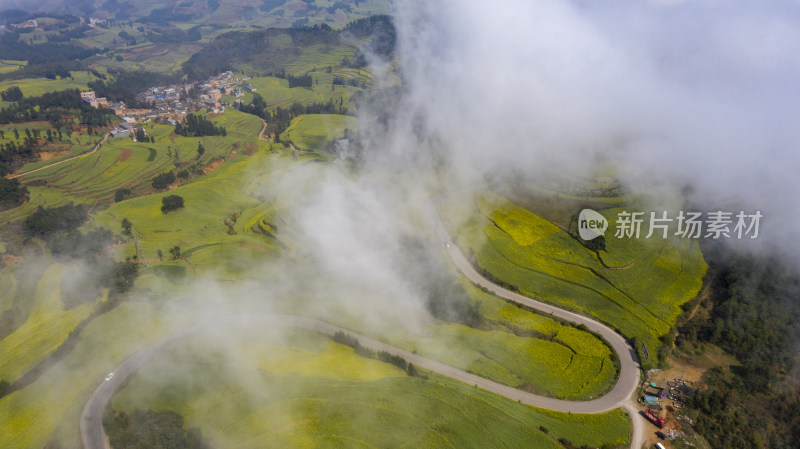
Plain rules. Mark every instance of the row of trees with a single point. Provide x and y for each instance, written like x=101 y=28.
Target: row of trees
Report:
x=351 y=341
x=300 y=81
x=58 y=108
x=198 y=126
x=35 y=134
x=162 y=180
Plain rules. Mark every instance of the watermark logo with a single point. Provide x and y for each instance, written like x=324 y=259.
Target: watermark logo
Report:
x=695 y=225
x=591 y=224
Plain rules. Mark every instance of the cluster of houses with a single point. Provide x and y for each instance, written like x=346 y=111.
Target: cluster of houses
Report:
x=170 y=104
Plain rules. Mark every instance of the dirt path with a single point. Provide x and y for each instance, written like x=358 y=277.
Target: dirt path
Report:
x=94 y=149
x=703 y=295
x=263 y=130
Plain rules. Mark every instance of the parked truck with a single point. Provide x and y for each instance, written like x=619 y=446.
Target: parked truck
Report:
x=655 y=419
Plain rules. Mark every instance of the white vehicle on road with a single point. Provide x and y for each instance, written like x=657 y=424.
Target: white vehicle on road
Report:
x=110 y=375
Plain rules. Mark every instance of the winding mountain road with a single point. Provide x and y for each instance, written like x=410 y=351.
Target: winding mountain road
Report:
x=620 y=395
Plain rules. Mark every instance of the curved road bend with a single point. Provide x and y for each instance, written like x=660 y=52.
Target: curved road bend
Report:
x=620 y=396
x=91 y=419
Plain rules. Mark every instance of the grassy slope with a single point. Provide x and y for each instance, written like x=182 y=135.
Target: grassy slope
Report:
x=8 y=65
x=637 y=286
x=32 y=87
x=329 y=397
x=276 y=91
x=312 y=131
x=47 y=326
x=55 y=151
x=30 y=417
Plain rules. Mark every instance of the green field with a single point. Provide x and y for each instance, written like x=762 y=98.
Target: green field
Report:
x=315 y=393
x=637 y=286
x=32 y=87
x=198 y=228
x=7 y=65
x=144 y=57
x=313 y=131
x=48 y=325
x=276 y=91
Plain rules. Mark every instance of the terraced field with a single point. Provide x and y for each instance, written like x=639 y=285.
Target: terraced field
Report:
x=49 y=152
x=164 y=58
x=637 y=285
x=329 y=396
x=123 y=163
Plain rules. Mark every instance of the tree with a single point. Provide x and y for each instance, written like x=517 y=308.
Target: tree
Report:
x=13 y=93
x=12 y=194
x=163 y=180
x=140 y=135
x=5 y=388
x=122 y=276
x=198 y=126
x=170 y=203
x=121 y=194
x=200 y=150
x=126 y=227
x=141 y=429
x=160 y=255
x=175 y=251
x=48 y=221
